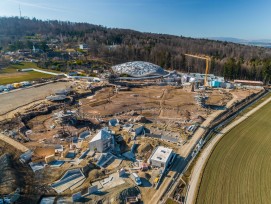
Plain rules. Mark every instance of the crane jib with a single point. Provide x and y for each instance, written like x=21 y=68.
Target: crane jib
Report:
x=208 y=59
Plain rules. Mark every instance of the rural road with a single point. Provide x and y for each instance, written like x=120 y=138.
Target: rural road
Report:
x=186 y=149
x=178 y=166
x=206 y=153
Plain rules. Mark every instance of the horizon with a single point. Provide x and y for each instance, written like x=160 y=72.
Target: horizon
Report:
x=222 y=38
x=194 y=18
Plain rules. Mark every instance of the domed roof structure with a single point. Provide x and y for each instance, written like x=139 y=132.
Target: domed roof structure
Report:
x=138 y=69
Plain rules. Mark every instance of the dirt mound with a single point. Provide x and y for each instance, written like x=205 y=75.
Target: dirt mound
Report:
x=44 y=151
x=141 y=119
x=134 y=113
x=8 y=179
x=144 y=148
x=199 y=119
x=130 y=192
x=94 y=174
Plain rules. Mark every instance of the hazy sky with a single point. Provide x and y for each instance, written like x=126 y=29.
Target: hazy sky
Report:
x=247 y=19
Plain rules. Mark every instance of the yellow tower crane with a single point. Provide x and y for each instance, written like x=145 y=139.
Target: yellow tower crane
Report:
x=208 y=60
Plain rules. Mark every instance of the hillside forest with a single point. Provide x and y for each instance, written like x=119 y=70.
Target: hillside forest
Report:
x=113 y=46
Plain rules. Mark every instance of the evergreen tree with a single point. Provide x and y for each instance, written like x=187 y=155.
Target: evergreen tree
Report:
x=267 y=71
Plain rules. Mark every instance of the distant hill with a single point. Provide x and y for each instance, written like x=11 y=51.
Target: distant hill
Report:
x=114 y=46
x=261 y=42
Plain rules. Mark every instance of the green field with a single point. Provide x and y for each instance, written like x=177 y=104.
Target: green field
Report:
x=239 y=169
x=19 y=77
x=13 y=67
x=10 y=74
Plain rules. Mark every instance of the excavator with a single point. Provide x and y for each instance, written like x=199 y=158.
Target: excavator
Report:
x=208 y=60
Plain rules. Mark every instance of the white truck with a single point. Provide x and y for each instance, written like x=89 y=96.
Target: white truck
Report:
x=137 y=179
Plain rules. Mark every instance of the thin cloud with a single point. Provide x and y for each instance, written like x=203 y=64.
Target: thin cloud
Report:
x=37 y=5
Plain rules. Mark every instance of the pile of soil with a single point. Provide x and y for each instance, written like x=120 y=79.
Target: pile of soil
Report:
x=94 y=174
x=199 y=119
x=8 y=178
x=141 y=119
x=134 y=113
x=130 y=192
x=144 y=148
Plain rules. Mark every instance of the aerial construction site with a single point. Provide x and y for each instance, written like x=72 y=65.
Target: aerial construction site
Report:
x=125 y=138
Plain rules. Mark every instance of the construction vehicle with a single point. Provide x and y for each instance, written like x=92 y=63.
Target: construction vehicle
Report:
x=16 y=85
x=208 y=60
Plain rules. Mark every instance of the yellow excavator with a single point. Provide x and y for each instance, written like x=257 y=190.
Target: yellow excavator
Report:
x=208 y=60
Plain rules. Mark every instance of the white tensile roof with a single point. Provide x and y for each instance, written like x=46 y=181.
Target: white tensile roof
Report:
x=138 y=69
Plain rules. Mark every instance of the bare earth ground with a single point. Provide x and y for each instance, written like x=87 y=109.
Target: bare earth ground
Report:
x=185 y=149
x=41 y=130
x=152 y=98
x=240 y=94
x=15 y=99
x=163 y=105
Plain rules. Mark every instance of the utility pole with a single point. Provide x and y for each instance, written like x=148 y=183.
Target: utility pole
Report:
x=20 y=11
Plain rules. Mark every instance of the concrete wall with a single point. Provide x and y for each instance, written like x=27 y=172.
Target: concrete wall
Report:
x=41 y=71
x=100 y=145
x=139 y=131
x=156 y=163
x=92 y=189
x=50 y=158
x=96 y=145
x=76 y=196
x=160 y=163
x=64 y=153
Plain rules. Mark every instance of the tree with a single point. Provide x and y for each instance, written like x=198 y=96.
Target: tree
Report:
x=267 y=71
x=114 y=46
x=230 y=69
x=168 y=60
x=253 y=72
x=238 y=69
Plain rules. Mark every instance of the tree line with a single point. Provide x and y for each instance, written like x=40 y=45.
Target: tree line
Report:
x=121 y=45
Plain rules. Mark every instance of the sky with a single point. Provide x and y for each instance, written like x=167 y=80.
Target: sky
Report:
x=245 y=19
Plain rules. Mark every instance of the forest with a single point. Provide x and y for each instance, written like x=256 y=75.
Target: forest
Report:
x=113 y=45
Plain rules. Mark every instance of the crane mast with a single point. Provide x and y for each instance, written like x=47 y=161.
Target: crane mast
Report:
x=208 y=60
